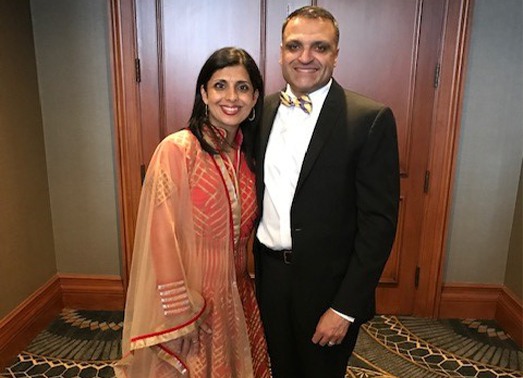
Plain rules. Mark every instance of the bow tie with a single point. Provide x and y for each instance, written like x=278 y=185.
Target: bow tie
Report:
x=303 y=102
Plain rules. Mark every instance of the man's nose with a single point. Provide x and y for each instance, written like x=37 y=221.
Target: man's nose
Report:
x=306 y=55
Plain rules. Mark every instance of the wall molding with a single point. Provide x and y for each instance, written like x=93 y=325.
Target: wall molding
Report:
x=105 y=292
x=86 y=292
x=92 y=292
x=480 y=301
x=462 y=300
x=22 y=324
x=509 y=315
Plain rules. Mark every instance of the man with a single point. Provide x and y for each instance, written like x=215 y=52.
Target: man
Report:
x=328 y=190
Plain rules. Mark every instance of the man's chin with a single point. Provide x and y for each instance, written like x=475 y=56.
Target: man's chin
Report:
x=301 y=87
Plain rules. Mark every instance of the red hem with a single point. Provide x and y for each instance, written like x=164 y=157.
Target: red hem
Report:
x=174 y=355
x=134 y=339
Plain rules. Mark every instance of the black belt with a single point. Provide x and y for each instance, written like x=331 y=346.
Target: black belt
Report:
x=284 y=255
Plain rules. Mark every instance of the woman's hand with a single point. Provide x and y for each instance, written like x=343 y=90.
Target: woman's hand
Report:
x=189 y=345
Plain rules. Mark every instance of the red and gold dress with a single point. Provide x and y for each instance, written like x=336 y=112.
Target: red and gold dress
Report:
x=196 y=214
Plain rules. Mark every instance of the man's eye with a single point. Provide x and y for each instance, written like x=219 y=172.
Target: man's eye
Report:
x=293 y=46
x=322 y=48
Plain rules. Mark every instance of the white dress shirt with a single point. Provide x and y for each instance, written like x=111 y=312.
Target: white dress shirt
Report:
x=290 y=136
x=289 y=139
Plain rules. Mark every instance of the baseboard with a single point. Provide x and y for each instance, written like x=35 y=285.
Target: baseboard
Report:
x=22 y=324
x=88 y=292
x=469 y=301
x=85 y=292
x=492 y=302
x=509 y=315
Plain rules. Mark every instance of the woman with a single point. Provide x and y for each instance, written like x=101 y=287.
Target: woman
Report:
x=191 y=309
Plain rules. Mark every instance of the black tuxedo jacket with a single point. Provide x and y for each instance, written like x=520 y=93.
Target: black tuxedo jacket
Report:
x=344 y=211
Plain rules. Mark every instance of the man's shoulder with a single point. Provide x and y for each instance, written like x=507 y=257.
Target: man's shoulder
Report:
x=359 y=100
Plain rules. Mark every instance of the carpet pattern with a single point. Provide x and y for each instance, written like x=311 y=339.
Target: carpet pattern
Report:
x=414 y=347
x=86 y=343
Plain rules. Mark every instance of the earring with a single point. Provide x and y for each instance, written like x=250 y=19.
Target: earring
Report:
x=206 y=111
x=251 y=118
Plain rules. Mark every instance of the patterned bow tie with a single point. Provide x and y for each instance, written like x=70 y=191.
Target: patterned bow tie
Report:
x=303 y=102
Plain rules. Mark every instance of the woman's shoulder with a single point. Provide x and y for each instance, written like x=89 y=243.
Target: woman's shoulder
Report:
x=179 y=144
x=182 y=139
x=177 y=152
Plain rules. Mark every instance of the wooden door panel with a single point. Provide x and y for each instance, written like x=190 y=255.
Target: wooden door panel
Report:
x=192 y=30
x=381 y=56
x=174 y=40
x=276 y=11
x=391 y=273
x=378 y=54
x=149 y=78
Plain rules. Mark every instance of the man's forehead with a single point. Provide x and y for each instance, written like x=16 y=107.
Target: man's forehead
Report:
x=310 y=28
x=308 y=41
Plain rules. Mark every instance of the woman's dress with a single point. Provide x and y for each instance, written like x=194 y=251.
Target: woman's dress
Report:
x=196 y=214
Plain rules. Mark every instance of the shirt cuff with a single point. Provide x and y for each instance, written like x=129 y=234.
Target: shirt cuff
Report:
x=346 y=317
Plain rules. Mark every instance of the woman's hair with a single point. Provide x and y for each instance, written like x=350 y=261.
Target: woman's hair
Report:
x=227 y=57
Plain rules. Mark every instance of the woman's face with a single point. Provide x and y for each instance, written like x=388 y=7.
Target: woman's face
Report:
x=230 y=97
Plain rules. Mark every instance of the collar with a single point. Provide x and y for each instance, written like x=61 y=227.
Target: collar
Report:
x=215 y=136
x=317 y=97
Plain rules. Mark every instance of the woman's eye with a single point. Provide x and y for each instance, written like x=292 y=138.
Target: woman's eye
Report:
x=219 y=85
x=244 y=88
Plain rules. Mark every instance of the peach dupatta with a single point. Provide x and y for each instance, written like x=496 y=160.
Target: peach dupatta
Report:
x=195 y=216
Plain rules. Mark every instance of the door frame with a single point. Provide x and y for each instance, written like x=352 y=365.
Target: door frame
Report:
x=442 y=157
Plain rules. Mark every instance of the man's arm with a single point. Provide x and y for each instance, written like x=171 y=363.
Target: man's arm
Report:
x=377 y=201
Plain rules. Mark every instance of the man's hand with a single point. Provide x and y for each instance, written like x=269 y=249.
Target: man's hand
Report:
x=331 y=329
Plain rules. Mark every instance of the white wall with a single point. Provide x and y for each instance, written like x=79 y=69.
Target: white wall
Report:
x=27 y=259
x=491 y=146
x=72 y=47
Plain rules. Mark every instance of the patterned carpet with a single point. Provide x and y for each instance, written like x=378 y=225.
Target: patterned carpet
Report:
x=86 y=343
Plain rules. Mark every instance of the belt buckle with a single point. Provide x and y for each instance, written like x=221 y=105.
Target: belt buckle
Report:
x=287 y=257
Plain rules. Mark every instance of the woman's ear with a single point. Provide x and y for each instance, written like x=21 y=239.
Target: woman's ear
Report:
x=256 y=95
x=203 y=93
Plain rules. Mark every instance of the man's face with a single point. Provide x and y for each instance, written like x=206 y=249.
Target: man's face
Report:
x=308 y=54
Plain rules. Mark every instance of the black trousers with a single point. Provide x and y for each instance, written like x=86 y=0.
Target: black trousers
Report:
x=291 y=351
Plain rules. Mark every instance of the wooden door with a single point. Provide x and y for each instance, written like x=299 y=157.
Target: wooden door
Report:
x=174 y=40
x=389 y=50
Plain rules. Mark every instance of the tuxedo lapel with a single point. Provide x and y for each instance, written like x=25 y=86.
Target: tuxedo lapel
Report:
x=269 y=113
x=333 y=105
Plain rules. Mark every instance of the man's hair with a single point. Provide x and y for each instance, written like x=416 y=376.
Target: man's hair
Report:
x=313 y=12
